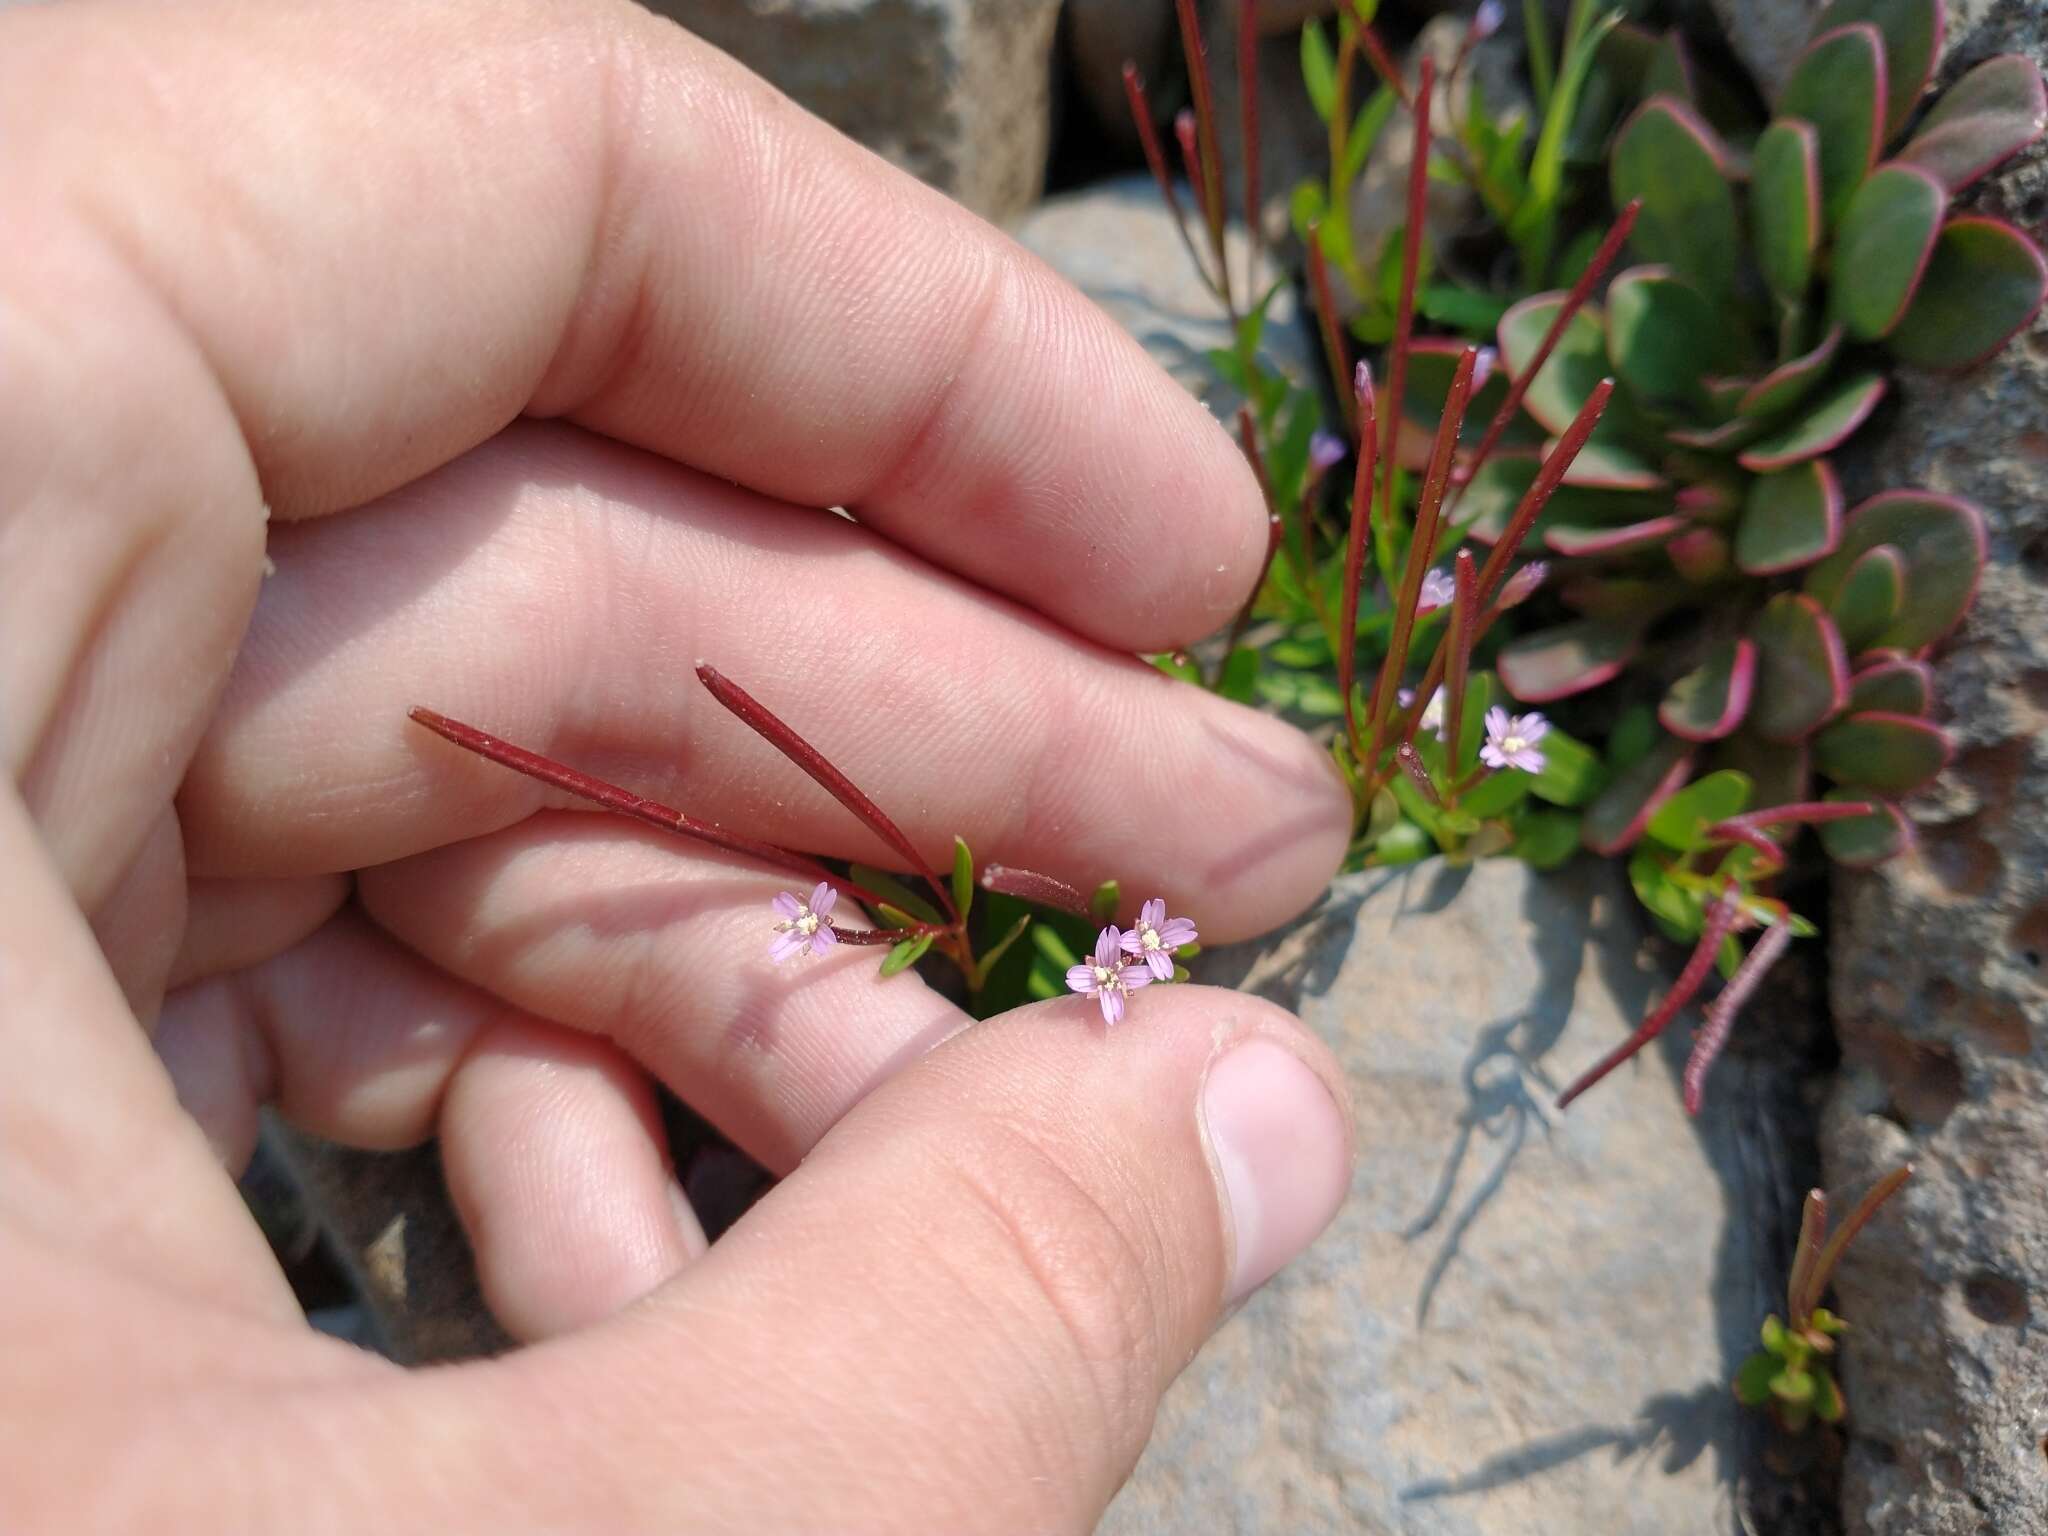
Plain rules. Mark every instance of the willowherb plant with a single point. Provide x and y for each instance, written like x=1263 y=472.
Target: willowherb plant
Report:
x=1790 y=1375
x=908 y=923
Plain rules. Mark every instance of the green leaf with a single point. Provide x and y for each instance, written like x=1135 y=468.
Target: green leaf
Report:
x=1574 y=368
x=1046 y=940
x=1365 y=132
x=1862 y=841
x=1887 y=235
x=1103 y=903
x=1318 y=70
x=1836 y=85
x=1983 y=283
x=1910 y=31
x=1791 y=381
x=1001 y=947
x=1634 y=734
x=1546 y=839
x=1617 y=816
x=1679 y=822
x=1710 y=701
x=1994 y=111
x=1549 y=664
x=893 y=917
x=1305 y=210
x=1841 y=409
x=1827 y=1322
x=1753 y=1381
x=1941 y=539
x=1784 y=205
x=1240 y=677
x=906 y=954
x=1496 y=793
x=1672 y=160
x=1572 y=772
x=1828 y=1406
x=1402 y=843
x=1869 y=598
x=882 y=883
x=963 y=877
x=1892 y=687
x=1777 y=1339
x=1794 y=1387
x=1384 y=811
x=1802 y=670
x=1893 y=754
x=1792 y=518
x=1676 y=910
x=1661 y=337
x=1782 y=772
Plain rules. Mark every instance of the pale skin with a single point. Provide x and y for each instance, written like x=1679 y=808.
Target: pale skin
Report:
x=539 y=333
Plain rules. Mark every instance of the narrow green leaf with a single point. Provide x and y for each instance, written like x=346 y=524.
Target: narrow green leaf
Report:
x=1822 y=427
x=1001 y=947
x=882 y=883
x=963 y=876
x=1318 y=70
x=906 y=954
x=1103 y=904
x=1679 y=822
x=1784 y=205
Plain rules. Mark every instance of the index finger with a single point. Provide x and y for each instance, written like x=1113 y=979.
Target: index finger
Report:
x=386 y=241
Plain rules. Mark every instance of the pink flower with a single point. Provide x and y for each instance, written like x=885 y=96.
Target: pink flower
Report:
x=1483 y=366
x=1511 y=740
x=1156 y=937
x=1432 y=712
x=1437 y=591
x=1108 y=978
x=1521 y=586
x=1324 y=450
x=803 y=924
x=1487 y=19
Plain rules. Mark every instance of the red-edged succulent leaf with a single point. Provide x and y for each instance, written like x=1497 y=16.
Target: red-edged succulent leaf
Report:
x=1784 y=205
x=1870 y=596
x=1578 y=540
x=1725 y=438
x=1821 y=427
x=1887 y=235
x=1668 y=71
x=1838 y=85
x=1724 y=393
x=1802 y=669
x=1432 y=360
x=1618 y=815
x=1699 y=554
x=1893 y=686
x=1489 y=500
x=1992 y=113
x=1665 y=155
x=1662 y=337
x=1575 y=365
x=1983 y=283
x=1793 y=518
x=1893 y=754
x=1911 y=31
x=1863 y=841
x=1571 y=658
x=1710 y=701
x=1791 y=381
x=1607 y=466
x=1624 y=602
x=1781 y=773
x=1941 y=539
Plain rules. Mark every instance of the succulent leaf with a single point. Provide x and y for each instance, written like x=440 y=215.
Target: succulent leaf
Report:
x=1802 y=669
x=1993 y=112
x=1784 y=205
x=1781 y=771
x=1838 y=85
x=1608 y=466
x=1793 y=517
x=1911 y=31
x=1681 y=821
x=1662 y=337
x=1699 y=554
x=1571 y=658
x=1862 y=841
x=1673 y=161
x=1893 y=754
x=1840 y=410
x=1887 y=235
x=1616 y=818
x=1753 y=1381
x=1575 y=365
x=1583 y=541
x=1941 y=539
x=1897 y=687
x=1710 y=701
x=1870 y=596
x=1984 y=282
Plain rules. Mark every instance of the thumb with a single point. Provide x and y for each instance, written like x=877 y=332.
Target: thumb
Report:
x=960 y=1312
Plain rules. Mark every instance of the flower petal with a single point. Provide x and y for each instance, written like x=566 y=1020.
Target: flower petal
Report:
x=822 y=898
x=1153 y=913
x=823 y=939
x=1108 y=944
x=1131 y=944
x=787 y=906
x=1532 y=727
x=1176 y=932
x=1136 y=976
x=1492 y=756
x=1112 y=1002
x=1497 y=722
x=786 y=944
x=1160 y=964
x=1081 y=978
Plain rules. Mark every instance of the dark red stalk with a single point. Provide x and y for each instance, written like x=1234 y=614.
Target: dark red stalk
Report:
x=890 y=936
x=1421 y=548
x=1411 y=763
x=1383 y=65
x=1770 y=857
x=1191 y=159
x=1464 y=612
x=1335 y=349
x=1248 y=120
x=1411 y=260
x=1210 y=161
x=764 y=723
x=1030 y=885
x=1155 y=160
x=1574 y=300
x=1354 y=557
x=1494 y=572
x=624 y=802
x=1813 y=1230
x=1722 y=1012
x=1747 y=829
x=1824 y=1267
x=1720 y=918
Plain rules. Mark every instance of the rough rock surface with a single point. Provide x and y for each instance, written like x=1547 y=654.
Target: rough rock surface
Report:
x=1767 y=35
x=1941 y=970
x=1115 y=242
x=958 y=92
x=1522 y=1322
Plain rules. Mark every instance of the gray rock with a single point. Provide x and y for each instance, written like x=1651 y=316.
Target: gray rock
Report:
x=1522 y=1322
x=957 y=92
x=1767 y=35
x=1115 y=242
x=1941 y=972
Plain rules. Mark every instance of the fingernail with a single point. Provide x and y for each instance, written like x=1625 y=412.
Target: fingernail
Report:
x=1279 y=1143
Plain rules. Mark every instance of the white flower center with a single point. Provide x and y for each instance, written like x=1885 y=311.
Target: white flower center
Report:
x=806 y=923
x=1511 y=744
x=1148 y=937
x=1105 y=977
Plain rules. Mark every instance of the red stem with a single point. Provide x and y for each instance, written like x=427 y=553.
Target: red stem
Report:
x=1354 y=557
x=1335 y=350
x=1720 y=918
x=1411 y=258
x=758 y=718
x=1030 y=885
x=1210 y=163
x=1824 y=1267
x=1574 y=300
x=1248 y=119
x=1411 y=763
x=623 y=802
x=1155 y=160
x=1722 y=1012
x=1464 y=612
x=1382 y=63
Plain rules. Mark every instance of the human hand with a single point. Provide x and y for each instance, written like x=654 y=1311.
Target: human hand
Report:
x=540 y=332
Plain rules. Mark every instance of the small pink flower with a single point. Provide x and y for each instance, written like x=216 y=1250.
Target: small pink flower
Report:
x=1521 y=586
x=1432 y=712
x=1483 y=366
x=1487 y=19
x=1156 y=937
x=1437 y=591
x=1108 y=978
x=1511 y=740
x=1325 y=449
x=803 y=925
